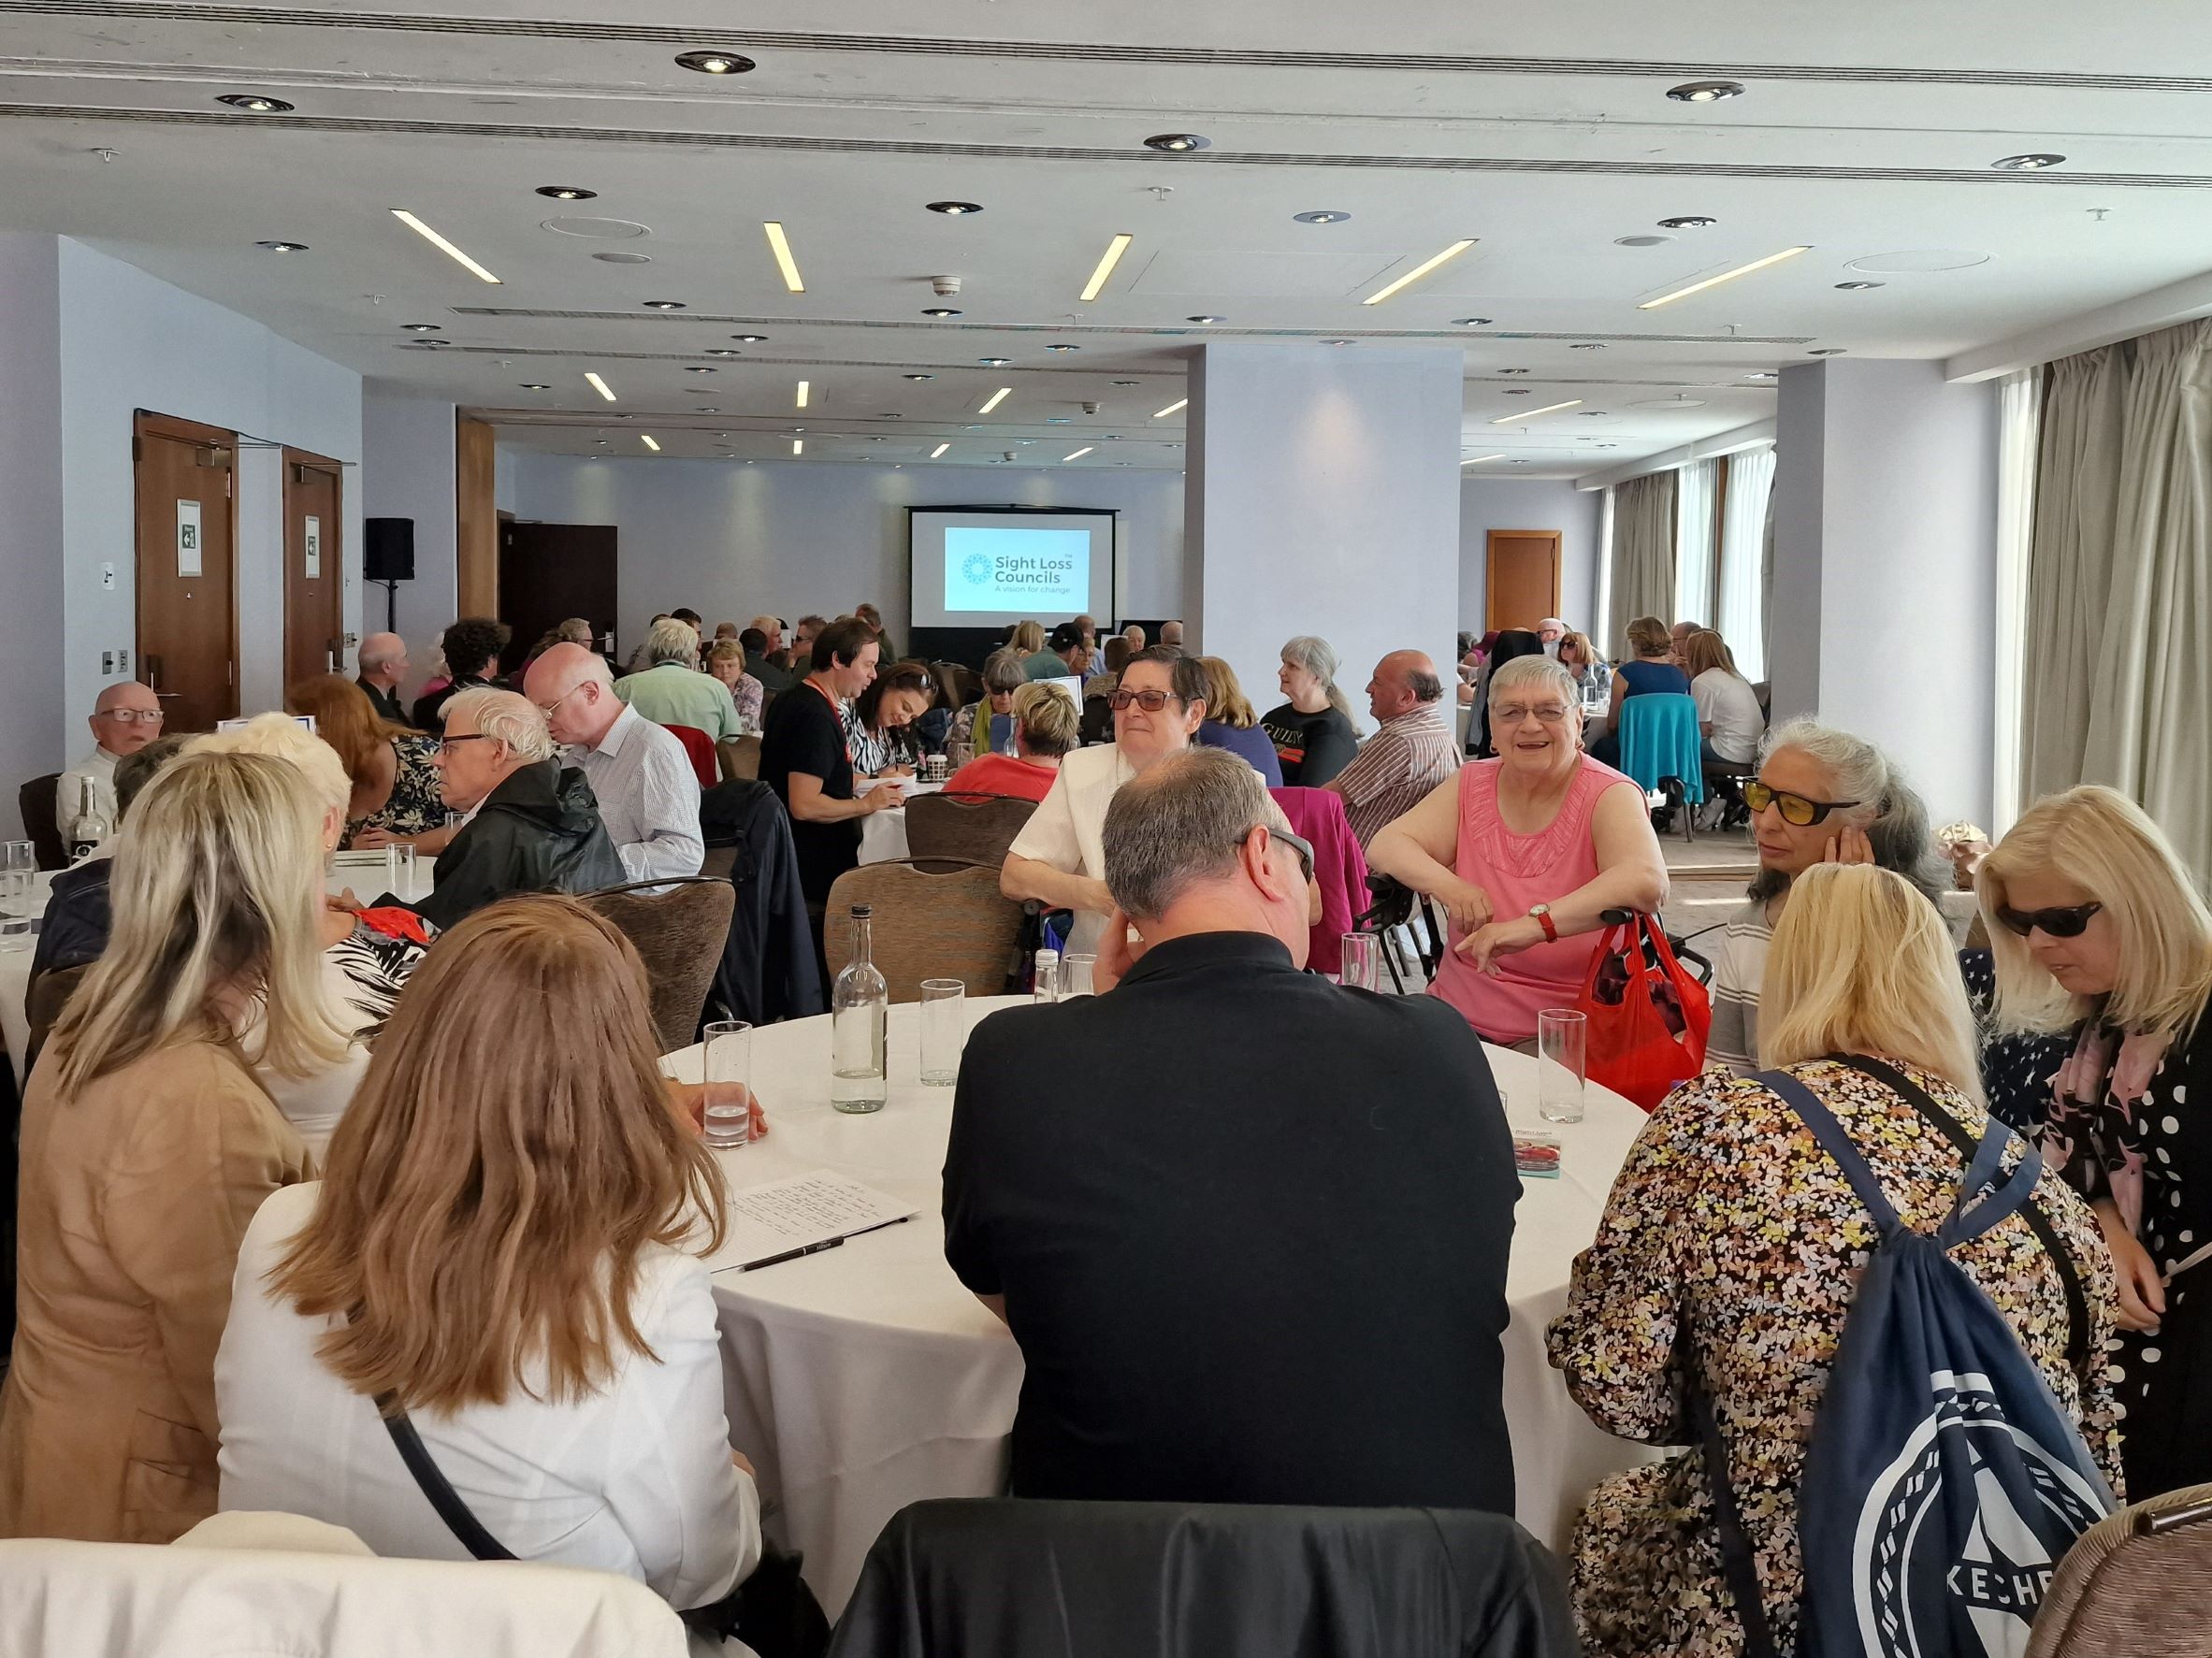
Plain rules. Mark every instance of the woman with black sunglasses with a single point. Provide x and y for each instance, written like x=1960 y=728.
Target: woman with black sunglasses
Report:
x=2098 y=930
x=1822 y=796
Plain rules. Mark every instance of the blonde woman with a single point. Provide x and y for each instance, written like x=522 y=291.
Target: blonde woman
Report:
x=1728 y=717
x=1046 y=727
x=506 y=1249
x=1231 y=724
x=726 y=661
x=1029 y=638
x=1730 y=1231
x=1649 y=668
x=2098 y=931
x=148 y=1144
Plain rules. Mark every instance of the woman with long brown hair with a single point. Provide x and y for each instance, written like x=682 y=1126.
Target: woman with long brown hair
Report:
x=506 y=1249
x=395 y=796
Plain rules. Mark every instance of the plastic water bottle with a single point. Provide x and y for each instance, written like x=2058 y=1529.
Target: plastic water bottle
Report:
x=860 y=1009
x=1046 y=986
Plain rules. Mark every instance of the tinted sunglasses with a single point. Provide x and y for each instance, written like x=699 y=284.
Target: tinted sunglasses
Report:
x=1798 y=809
x=1150 y=701
x=2062 y=923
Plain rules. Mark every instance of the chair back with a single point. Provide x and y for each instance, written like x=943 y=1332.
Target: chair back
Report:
x=42 y=1008
x=1150 y=1579
x=739 y=757
x=2137 y=1582
x=701 y=748
x=41 y=819
x=680 y=928
x=950 y=925
x=972 y=828
x=1660 y=739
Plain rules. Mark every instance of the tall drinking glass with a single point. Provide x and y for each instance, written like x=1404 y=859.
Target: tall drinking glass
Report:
x=19 y=893
x=1360 y=965
x=1078 y=976
x=1561 y=1058
x=400 y=872
x=729 y=1083
x=943 y=1030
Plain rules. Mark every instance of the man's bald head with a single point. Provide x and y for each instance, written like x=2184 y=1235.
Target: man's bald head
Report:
x=126 y=718
x=574 y=688
x=1404 y=680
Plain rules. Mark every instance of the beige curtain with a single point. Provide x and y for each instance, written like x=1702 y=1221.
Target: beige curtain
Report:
x=2119 y=591
x=1642 y=556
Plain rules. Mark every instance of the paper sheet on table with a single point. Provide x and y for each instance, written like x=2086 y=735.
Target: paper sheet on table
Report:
x=801 y=1209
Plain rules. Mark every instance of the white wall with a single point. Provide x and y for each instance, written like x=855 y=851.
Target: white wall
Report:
x=407 y=471
x=33 y=738
x=1487 y=503
x=733 y=541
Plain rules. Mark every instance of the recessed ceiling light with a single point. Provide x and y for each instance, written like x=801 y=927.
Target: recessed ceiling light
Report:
x=646 y=439
x=255 y=103
x=954 y=209
x=600 y=386
x=1431 y=262
x=282 y=247
x=1178 y=143
x=1064 y=348
x=699 y=368
x=803 y=390
x=1205 y=319
x=1725 y=275
x=1337 y=342
x=444 y=246
x=1478 y=459
x=1171 y=409
x=1826 y=351
x=1470 y=322
x=995 y=399
x=1125 y=382
x=939 y=450
x=1762 y=374
x=1588 y=345
x=709 y=409
x=1107 y=262
x=1513 y=370
x=1688 y=222
x=940 y=312
x=1079 y=454
x=780 y=246
x=1321 y=216
x=1641 y=241
x=994 y=362
x=534 y=386
x=714 y=62
x=750 y=339
x=426 y=343
x=568 y=192
x=1858 y=287
x=1591 y=415
x=663 y=303
x=722 y=350
x=2035 y=162
x=624 y=258
x=890 y=416
x=1705 y=92
x=422 y=327
x=1520 y=414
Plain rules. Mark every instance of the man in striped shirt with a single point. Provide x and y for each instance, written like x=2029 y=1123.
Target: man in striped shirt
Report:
x=1408 y=756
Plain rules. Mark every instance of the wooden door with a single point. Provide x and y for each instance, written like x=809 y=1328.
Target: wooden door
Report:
x=549 y=572
x=314 y=567
x=187 y=576
x=1522 y=585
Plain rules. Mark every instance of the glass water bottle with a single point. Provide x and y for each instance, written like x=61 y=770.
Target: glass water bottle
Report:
x=860 y=1006
x=90 y=826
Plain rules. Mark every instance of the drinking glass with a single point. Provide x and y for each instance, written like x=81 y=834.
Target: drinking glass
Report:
x=943 y=1030
x=400 y=872
x=728 y=1080
x=1076 y=977
x=1360 y=966
x=1561 y=1058
x=19 y=893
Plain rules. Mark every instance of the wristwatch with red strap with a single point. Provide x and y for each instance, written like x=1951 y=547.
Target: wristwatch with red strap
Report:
x=1542 y=913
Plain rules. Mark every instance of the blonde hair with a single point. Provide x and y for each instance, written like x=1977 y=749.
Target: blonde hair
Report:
x=1862 y=963
x=283 y=738
x=508 y=1163
x=2105 y=843
x=1225 y=700
x=1046 y=719
x=344 y=718
x=1705 y=650
x=1648 y=637
x=1585 y=653
x=727 y=650
x=1029 y=638
x=217 y=890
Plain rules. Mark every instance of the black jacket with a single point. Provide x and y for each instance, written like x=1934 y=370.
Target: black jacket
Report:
x=386 y=703
x=75 y=931
x=538 y=831
x=429 y=712
x=768 y=968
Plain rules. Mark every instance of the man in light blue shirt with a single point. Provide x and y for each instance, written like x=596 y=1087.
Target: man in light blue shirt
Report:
x=648 y=794
x=673 y=691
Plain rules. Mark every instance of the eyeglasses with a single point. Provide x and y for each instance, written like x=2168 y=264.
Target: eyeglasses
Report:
x=1283 y=837
x=549 y=707
x=134 y=716
x=466 y=737
x=1150 y=701
x=1513 y=714
x=2059 y=923
x=1801 y=810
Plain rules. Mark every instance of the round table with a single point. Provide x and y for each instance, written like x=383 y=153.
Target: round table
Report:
x=883 y=834
x=867 y=1376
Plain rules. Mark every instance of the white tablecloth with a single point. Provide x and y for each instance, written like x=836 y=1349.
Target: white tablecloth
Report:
x=883 y=834
x=867 y=1378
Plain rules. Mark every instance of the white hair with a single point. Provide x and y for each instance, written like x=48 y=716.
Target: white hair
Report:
x=513 y=721
x=1318 y=657
x=1530 y=670
x=671 y=640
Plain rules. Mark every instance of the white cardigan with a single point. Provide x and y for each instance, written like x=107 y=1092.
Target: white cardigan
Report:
x=636 y=1480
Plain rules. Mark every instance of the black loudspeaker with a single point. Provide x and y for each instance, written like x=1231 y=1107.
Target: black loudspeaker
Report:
x=389 y=549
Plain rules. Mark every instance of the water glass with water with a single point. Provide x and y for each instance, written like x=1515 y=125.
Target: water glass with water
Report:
x=1078 y=976
x=729 y=1075
x=1360 y=961
x=18 y=894
x=1561 y=1060
x=943 y=1030
x=400 y=872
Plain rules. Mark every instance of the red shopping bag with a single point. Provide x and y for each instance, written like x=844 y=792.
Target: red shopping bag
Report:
x=1647 y=1025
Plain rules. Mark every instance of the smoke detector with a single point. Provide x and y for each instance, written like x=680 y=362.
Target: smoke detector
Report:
x=946 y=287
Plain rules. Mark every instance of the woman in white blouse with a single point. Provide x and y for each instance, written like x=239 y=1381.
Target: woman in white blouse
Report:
x=501 y=1249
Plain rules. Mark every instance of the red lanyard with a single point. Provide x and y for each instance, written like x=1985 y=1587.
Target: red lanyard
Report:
x=839 y=712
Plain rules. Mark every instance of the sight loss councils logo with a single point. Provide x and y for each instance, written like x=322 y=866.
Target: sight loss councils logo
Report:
x=975 y=569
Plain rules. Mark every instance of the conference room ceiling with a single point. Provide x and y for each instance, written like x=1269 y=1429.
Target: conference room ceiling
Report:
x=1864 y=134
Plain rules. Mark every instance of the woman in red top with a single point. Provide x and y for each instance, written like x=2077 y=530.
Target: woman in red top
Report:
x=1046 y=723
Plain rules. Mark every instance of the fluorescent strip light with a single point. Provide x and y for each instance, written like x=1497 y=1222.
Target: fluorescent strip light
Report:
x=1080 y=453
x=939 y=450
x=799 y=446
x=600 y=386
x=783 y=262
x=802 y=394
x=1514 y=420
x=995 y=399
x=1453 y=252
x=648 y=443
x=1171 y=409
x=444 y=246
x=1112 y=258
x=1479 y=459
x=1725 y=275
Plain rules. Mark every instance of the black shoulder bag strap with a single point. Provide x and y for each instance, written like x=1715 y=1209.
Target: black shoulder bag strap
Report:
x=1739 y=1569
x=459 y=1518
x=2078 y=1307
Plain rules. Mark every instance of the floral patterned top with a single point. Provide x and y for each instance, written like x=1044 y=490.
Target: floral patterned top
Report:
x=1730 y=1224
x=414 y=808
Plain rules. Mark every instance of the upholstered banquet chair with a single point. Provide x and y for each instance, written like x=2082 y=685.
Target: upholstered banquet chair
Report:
x=739 y=757
x=680 y=927
x=947 y=922
x=972 y=828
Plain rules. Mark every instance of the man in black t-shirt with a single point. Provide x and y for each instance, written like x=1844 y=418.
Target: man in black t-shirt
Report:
x=1274 y=1270
x=803 y=758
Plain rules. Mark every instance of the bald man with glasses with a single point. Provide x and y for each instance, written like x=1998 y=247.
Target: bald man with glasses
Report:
x=126 y=717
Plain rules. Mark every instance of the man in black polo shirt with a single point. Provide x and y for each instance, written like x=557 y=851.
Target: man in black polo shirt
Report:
x=803 y=758
x=1274 y=1271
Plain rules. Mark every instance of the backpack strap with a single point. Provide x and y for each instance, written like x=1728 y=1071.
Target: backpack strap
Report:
x=1738 y=1567
x=1836 y=1143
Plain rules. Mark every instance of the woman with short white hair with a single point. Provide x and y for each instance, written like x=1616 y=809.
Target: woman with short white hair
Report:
x=1312 y=732
x=2098 y=930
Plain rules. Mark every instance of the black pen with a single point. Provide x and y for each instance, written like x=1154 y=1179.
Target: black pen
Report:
x=793 y=1254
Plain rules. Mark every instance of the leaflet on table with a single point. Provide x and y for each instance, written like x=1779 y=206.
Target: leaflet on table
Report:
x=863 y=784
x=780 y=1216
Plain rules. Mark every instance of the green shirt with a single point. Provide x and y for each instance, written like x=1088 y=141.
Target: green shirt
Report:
x=1047 y=665
x=674 y=695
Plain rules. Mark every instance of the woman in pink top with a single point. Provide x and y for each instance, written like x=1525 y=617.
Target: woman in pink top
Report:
x=1525 y=853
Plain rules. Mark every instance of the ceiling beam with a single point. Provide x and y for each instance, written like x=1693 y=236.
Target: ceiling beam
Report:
x=1750 y=437
x=2161 y=308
